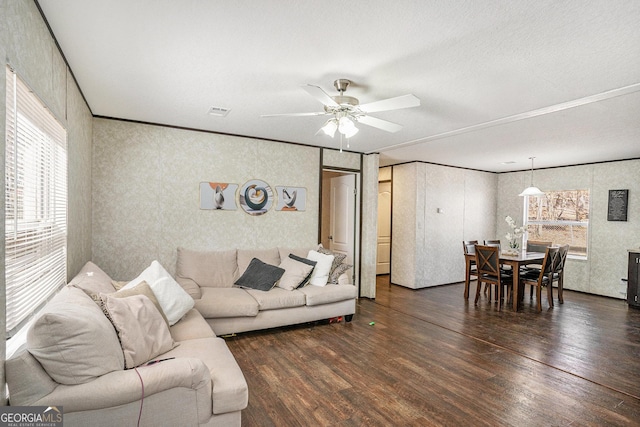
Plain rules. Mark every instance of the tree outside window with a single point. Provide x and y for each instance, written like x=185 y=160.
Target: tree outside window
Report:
x=561 y=217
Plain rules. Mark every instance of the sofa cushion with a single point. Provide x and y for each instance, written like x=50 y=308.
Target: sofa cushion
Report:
x=278 y=298
x=73 y=340
x=92 y=280
x=27 y=381
x=296 y=272
x=268 y=256
x=260 y=276
x=226 y=302
x=320 y=275
x=191 y=326
x=143 y=332
x=175 y=302
x=328 y=294
x=217 y=269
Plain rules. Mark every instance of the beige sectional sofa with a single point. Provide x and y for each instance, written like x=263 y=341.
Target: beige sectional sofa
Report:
x=90 y=348
x=74 y=359
x=209 y=277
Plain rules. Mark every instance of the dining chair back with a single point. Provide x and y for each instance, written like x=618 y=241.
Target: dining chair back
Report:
x=469 y=247
x=543 y=277
x=488 y=265
x=558 y=270
x=537 y=245
x=492 y=243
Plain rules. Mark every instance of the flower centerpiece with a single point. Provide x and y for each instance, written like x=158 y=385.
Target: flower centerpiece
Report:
x=514 y=235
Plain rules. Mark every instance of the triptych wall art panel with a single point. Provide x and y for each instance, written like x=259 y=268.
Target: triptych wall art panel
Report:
x=255 y=197
x=218 y=195
x=291 y=198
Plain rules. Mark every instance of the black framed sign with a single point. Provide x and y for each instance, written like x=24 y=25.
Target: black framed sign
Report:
x=618 y=201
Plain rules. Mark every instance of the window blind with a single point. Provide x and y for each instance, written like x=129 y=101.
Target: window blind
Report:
x=35 y=203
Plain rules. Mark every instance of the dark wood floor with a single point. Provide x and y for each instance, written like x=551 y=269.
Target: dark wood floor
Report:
x=431 y=358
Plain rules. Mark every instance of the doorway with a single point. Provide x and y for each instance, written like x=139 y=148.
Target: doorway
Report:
x=383 y=258
x=340 y=213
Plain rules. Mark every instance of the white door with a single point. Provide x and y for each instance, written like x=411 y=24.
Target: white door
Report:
x=343 y=215
x=383 y=261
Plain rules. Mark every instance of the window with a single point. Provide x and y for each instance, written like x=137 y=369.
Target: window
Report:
x=561 y=217
x=35 y=203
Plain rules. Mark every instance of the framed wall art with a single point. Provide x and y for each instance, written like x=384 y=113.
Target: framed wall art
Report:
x=291 y=199
x=256 y=197
x=218 y=196
x=618 y=205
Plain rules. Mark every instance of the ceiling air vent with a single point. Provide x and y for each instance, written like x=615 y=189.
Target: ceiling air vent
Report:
x=219 y=111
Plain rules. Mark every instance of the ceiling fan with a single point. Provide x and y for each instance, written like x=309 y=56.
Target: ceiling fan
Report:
x=345 y=111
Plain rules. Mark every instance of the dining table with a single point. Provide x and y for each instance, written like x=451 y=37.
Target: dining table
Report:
x=515 y=260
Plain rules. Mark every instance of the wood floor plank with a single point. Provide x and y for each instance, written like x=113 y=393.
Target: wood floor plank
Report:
x=432 y=358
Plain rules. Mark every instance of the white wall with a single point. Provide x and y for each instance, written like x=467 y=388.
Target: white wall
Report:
x=606 y=264
x=435 y=208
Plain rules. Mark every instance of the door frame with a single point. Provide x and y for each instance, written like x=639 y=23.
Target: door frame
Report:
x=357 y=235
x=390 y=182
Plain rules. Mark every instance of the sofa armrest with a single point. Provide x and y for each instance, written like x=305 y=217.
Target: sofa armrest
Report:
x=123 y=387
x=190 y=286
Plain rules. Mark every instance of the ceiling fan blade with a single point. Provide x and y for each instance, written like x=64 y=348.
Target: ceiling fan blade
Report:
x=320 y=95
x=379 y=123
x=404 y=101
x=318 y=113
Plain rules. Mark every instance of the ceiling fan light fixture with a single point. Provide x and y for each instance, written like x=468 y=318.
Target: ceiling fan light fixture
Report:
x=330 y=128
x=347 y=127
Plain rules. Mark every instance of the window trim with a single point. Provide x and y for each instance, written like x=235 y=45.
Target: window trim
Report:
x=526 y=222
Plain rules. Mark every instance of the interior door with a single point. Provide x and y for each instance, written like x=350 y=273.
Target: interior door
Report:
x=342 y=215
x=383 y=261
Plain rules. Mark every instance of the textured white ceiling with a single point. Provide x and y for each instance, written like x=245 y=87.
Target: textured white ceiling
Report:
x=496 y=78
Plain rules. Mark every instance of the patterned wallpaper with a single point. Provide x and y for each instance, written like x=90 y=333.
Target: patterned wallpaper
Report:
x=369 y=229
x=146 y=194
x=344 y=160
x=26 y=44
x=403 y=223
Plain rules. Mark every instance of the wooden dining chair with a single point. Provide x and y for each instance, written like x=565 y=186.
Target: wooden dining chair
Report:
x=543 y=277
x=492 y=243
x=469 y=247
x=489 y=272
x=535 y=246
x=558 y=270
x=504 y=268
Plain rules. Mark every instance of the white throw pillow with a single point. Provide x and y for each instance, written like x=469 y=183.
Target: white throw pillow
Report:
x=174 y=300
x=320 y=274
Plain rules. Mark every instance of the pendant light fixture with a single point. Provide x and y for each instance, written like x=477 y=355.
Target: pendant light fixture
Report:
x=532 y=190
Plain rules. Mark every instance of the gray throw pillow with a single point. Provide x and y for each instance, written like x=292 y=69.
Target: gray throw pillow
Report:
x=260 y=276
